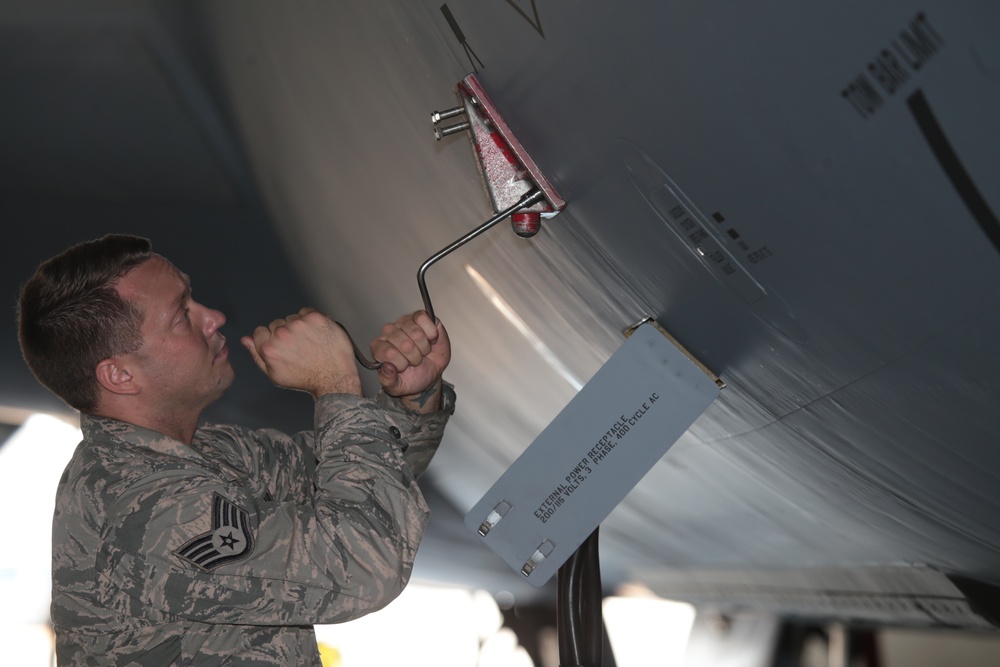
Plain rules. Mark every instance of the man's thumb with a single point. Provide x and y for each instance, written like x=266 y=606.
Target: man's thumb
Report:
x=388 y=376
x=252 y=349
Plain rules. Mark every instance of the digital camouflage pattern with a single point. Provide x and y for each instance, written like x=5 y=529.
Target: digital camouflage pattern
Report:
x=228 y=550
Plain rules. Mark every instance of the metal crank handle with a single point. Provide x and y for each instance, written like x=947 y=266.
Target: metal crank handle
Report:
x=529 y=198
x=358 y=354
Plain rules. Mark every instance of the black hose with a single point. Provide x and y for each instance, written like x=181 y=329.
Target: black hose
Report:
x=578 y=611
x=568 y=612
x=591 y=601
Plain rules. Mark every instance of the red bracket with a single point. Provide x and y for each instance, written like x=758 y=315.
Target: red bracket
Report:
x=507 y=171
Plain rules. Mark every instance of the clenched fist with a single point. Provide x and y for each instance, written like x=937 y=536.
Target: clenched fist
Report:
x=306 y=351
x=414 y=351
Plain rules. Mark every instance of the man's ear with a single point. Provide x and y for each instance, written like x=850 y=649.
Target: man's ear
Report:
x=114 y=376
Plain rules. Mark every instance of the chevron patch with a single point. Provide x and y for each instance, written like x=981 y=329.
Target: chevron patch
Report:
x=230 y=539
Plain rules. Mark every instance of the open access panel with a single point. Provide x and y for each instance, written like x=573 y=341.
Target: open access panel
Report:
x=593 y=453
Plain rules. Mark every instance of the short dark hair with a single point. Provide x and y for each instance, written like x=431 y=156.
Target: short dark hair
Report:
x=71 y=317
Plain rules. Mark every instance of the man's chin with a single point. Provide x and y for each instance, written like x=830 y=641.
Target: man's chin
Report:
x=226 y=378
x=229 y=376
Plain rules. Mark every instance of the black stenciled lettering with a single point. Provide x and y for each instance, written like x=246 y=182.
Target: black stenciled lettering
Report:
x=863 y=96
x=918 y=42
x=888 y=71
x=600 y=450
x=617 y=432
x=558 y=496
x=893 y=65
x=759 y=255
x=698 y=236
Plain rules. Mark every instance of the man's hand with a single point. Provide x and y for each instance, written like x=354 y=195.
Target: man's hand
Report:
x=306 y=351
x=414 y=351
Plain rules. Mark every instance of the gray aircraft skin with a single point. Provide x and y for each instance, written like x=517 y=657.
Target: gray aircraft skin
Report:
x=804 y=196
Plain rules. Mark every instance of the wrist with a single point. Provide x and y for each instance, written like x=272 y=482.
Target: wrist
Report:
x=349 y=383
x=425 y=402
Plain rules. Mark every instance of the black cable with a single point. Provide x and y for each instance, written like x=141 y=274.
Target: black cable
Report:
x=578 y=611
x=568 y=612
x=591 y=601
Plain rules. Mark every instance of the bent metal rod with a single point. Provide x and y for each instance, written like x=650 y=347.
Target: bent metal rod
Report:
x=528 y=199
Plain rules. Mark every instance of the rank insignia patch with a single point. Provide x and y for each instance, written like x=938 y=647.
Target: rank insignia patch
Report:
x=229 y=540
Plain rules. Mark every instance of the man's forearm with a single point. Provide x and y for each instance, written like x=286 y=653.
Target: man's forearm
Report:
x=420 y=433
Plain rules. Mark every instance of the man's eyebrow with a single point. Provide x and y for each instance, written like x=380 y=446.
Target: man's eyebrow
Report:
x=185 y=295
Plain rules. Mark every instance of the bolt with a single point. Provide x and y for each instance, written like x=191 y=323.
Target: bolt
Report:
x=438 y=116
x=442 y=132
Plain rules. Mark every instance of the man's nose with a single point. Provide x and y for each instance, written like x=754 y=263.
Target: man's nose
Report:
x=214 y=319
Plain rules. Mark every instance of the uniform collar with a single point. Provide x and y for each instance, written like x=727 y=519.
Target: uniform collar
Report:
x=105 y=430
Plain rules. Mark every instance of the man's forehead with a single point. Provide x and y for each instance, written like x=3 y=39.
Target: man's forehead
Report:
x=157 y=274
x=173 y=269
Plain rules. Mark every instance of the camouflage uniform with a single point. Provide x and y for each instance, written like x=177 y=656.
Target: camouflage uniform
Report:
x=228 y=550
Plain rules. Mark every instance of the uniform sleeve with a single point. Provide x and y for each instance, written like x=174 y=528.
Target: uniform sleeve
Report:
x=420 y=434
x=190 y=545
